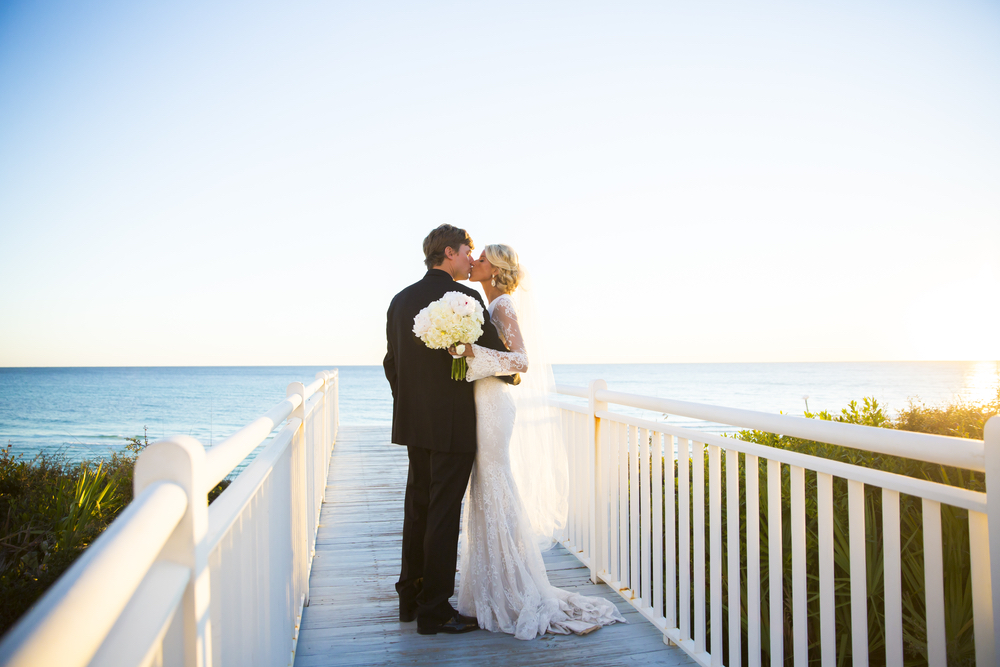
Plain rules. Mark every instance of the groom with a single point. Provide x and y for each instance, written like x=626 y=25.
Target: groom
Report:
x=435 y=418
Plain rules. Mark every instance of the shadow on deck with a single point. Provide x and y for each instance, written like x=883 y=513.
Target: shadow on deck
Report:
x=352 y=617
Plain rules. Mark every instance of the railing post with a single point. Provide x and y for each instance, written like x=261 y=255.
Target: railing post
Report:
x=323 y=442
x=991 y=445
x=325 y=422
x=181 y=460
x=300 y=552
x=299 y=389
x=316 y=459
x=336 y=406
x=598 y=545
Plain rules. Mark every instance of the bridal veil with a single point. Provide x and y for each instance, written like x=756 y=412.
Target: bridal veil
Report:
x=537 y=448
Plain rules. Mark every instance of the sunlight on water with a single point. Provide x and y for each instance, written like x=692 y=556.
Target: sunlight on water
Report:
x=982 y=382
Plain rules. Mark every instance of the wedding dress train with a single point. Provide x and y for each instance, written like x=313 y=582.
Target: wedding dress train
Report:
x=503 y=579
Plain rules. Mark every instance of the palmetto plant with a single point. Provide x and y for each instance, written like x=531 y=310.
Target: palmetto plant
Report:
x=50 y=510
x=79 y=505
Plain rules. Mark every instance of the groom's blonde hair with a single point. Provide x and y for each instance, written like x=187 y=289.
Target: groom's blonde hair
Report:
x=441 y=237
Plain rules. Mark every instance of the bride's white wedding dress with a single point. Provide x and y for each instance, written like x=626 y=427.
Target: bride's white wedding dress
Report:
x=503 y=580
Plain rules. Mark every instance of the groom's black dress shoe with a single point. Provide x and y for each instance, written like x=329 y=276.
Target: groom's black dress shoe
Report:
x=454 y=626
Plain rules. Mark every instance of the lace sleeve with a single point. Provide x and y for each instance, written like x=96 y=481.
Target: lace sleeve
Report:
x=489 y=362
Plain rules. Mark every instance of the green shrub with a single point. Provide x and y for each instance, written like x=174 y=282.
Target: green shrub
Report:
x=960 y=419
x=51 y=509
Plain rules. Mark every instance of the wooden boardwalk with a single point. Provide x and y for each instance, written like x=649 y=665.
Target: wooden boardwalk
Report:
x=352 y=618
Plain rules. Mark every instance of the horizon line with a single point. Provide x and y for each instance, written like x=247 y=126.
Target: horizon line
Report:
x=572 y=363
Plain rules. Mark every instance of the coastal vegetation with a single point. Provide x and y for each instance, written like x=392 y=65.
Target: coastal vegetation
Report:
x=51 y=509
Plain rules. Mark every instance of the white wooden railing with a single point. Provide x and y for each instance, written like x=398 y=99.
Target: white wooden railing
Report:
x=651 y=547
x=173 y=581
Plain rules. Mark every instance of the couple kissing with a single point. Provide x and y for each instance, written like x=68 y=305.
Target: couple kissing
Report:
x=488 y=430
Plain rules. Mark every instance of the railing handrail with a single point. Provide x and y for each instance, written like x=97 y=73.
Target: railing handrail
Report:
x=570 y=390
x=945 y=450
x=102 y=580
x=225 y=456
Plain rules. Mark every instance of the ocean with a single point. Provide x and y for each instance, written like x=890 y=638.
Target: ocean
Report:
x=87 y=412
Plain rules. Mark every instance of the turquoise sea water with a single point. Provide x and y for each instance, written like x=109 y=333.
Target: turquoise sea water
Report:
x=86 y=412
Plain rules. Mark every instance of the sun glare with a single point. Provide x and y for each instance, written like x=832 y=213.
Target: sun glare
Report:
x=982 y=381
x=957 y=321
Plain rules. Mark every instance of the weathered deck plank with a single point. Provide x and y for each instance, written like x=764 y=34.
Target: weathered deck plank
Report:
x=352 y=616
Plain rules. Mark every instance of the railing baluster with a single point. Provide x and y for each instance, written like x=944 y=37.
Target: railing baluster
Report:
x=892 y=581
x=614 y=536
x=827 y=601
x=623 y=506
x=581 y=486
x=586 y=483
x=715 y=550
x=754 y=610
x=859 y=573
x=597 y=506
x=633 y=510
x=575 y=497
x=604 y=514
x=735 y=597
x=578 y=488
x=991 y=458
x=241 y=559
x=670 y=530
x=645 y=527
x=698 y=480
x=979 y=551
x=574 y=493
x=583 y=469
x=657 y=501
x=684 y=534
x=774 y=570
x=800 y=631
x=568 y=440
x=934 y=584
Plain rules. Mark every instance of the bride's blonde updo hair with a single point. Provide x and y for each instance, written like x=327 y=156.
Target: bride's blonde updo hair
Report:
x=504 y=260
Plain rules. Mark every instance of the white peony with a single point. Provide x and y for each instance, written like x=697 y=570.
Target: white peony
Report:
x=422 y=323
x=462 y=304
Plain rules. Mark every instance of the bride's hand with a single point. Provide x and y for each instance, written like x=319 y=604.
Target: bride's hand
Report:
x=467 y=352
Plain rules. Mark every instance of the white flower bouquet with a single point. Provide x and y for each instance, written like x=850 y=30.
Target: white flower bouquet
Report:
x=453 y=319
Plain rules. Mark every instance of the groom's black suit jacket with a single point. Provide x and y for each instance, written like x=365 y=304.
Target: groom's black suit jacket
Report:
x=429 y=409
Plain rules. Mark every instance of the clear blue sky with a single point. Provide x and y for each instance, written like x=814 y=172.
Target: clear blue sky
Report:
x=247 y=183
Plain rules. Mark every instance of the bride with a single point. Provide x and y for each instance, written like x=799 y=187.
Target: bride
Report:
x=517 y=492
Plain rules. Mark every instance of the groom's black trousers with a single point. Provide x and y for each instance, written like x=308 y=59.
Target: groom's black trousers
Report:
x=435 y=486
